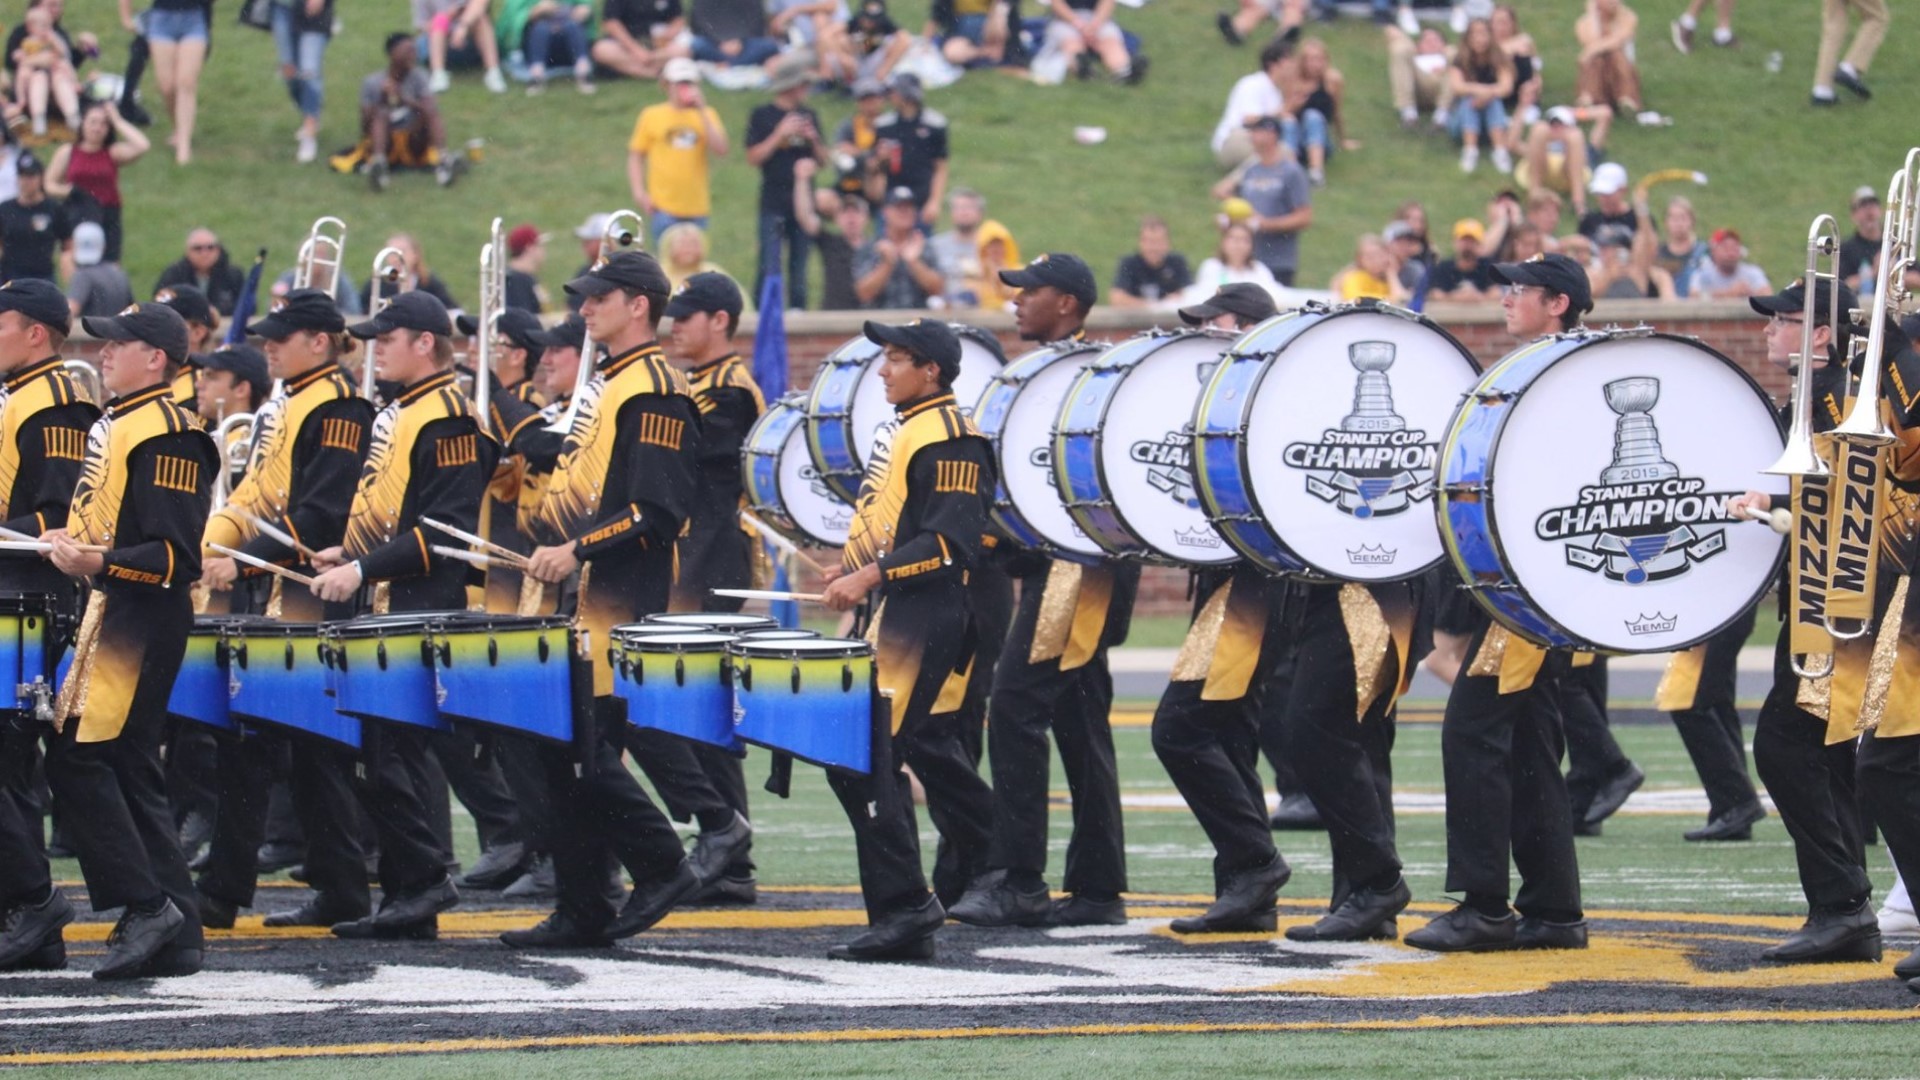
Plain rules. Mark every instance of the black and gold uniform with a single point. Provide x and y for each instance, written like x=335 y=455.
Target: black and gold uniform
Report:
x=202 y=320
x=917 y=530
x=43 y=433
x=309 y=444
x=144 y=492
x=512 y=402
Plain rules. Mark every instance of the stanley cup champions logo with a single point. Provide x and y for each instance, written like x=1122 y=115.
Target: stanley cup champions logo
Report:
x=1373 y=464
x=1644 y=521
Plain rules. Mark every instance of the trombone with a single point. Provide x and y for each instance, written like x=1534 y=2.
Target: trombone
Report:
x=1863 y=425
x=623 y=231
x=235 y=454
x=493 y=301
x=1800 y=458
x=389 y=268
x=323 y=251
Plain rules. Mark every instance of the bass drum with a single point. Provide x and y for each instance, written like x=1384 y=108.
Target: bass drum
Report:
x=1310 y=465
x=783 y=487
x=847 y=407
x=1017 y=415
x=1584 y=489
x=1123 y=449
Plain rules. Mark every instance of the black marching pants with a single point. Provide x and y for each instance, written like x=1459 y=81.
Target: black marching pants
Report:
x=1710 y=730
x=1594 y=757
x=1890 y=788
x=24 y=874
x=398 y=777
x=1812 y=787
x=320 y=778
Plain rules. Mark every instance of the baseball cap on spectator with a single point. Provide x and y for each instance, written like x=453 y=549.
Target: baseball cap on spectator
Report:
x=1609 y=179
x=866 y=86
x=151 y=323
x=245 y=363
x=523 y=237
x=1264 y=123
x=1398 y=230
x=593 y=228
x=1241 y=299
x=1555 y=272
x=41 y=301
x=1466 y=227
x=28 y=164
x=706 y=292
x=635 y=271
x=791 y=71
x=1067 y=273
x=421 y=312
x=1613 y=234
x=680 y=69
x=301 y=309
x=907 y=85
x=929 y=340
x=563 y=335
x=1863 y=195
x=89 y=243
x=191 y=304
x=1727 y=234
x=1562 y=115
x=902 y=195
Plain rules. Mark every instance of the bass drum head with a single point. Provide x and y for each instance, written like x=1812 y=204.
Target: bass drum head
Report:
x=1609 y=484
x=821 y=516
x=1146 y=447
x=871 y=413
x=1026 y=451
x=1343 y=433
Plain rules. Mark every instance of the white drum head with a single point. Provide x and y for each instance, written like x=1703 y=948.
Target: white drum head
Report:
x=1146 y=449
x=808 y=501
x=1610 y=483
x=1341 y=459
x=871 y=412
x=1026 y=453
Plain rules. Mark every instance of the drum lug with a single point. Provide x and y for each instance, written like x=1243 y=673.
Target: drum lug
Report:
x=1466 y=492
x=544 y=649
x=493 y=651
x=796 y=677
x=239 y=654
x=1491 y=395
x=289 y=654
x=445 y=651
x=42 y=695
x=745 y=675
x=846 y=677
x=679 y=670
x=1072 y=432
x=426 y=652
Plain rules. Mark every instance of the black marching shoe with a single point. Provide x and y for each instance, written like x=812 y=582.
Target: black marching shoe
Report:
x=1535 y=933
x=498 y=867
x=1359 y=917
x=557 y=931
x=1245 y=906
x=49 y=957
x=137 y=939
x=731 y=890
x=371 y=929
x=650 y=903
x=196 y=831
x=1735 y=824
x=903 y=935
x=1466 y=930
x=217 y=914
x=273 y=858
x=1613 y=794
x=319 y=911
x=1908 y=968
x=1294 y=812
x=29 y=930
x=714 y=851
x=1829 y=936
x=173 y=962
x=992 y=901
x=1078 y=910
x=535 y=884
x=413 y=917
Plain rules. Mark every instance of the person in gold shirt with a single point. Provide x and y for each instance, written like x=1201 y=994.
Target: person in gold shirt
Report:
x=670 y=154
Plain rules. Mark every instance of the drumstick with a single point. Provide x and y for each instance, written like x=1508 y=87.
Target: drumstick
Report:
x=476 y=541
x=770 y=594
x=262 y=564
x=275 y=532
x=476 y=558
x=780 y=543
x=44 y=546
x=1780 y=518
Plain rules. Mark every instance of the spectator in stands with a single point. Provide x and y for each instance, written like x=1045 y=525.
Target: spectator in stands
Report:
x=97 y=287
x=1609 y=190
x=1579 y=248
x=896 y=270
x=1680 y=249
x=854 y=141
x=820 y=28
x=1418 y=74
x=177 y=33
x=86 y=172
x=400 y=118
x=1154 y=274
x=1625 y=270
x=852 y=217
x=877 y=41
x=1238 y=25
x=1405 y=246
x=1504 y=216
x=683 y=253
x=1282 y=199
x=418 y=276
x=638 y=37
x=1726 y=275
x=1557 y=153
x=1608 y=74
x=912 y=141
x=1482 y=77
x=302 y=30
x=957 y=251
x=998 y=251
x=1414 y=214
x=549 y=31
x=1314 y=91
x=1543 y=212
x=526 y=255
x=1860 y=253
x=1087 y=26
x=206 y=267
x=1523 y=104
x=44 y=65
x=780 y=134
x=671 y=151
x=972 y=32
x=1528 y=242
x=732 y=34
x=1371 y=275
x=1682 y=28
x=1467 y=277
x=1252 y=97
x=457 y=30
x=588 y=233
x=1849 y=71
x=1232 y=262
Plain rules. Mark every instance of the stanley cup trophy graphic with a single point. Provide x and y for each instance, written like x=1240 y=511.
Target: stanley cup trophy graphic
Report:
x=1372 y=394
x=1636 y=442
x=1638 y=553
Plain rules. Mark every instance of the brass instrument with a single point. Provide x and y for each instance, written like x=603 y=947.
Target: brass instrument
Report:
x=1800 y=459
x=389 y=268
x=323 y=251
x=234 y=454
x=88 y=376
x=1863 y=425
x=493 y=301
x=624 y=230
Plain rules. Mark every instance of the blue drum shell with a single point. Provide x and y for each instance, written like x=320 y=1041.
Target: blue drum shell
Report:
x=679 y=684
x=200 y=690
x=507 y=672
x=1076 y=462
x=385 y=671
x=814 y=703
x=278 y=677
x=1219 y=467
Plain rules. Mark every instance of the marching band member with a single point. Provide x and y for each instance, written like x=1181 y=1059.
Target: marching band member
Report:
x=143 y=496
x=1698 y=690
x=45 y=422
x=202 y=322
x=1501 y=738
x=1052 y=678
x=426 y=458
x=916 y=534
x=309 y=446
x=515 y=403
x=613 y=507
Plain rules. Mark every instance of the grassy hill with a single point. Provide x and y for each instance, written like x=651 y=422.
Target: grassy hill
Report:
x=1773 y=161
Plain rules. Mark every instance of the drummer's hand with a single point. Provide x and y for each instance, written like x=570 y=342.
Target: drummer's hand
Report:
x=1753 y=502
x=847 y=590
x=71 y=560
x=329 y=558
x=338 y=584
x=831 y=573
x=218 y=573
x=553 y=564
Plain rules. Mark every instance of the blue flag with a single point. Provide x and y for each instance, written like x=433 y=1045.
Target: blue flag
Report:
x=770 y=371
x=243 y=307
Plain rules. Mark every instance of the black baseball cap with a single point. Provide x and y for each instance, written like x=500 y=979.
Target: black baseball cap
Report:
x=1555 y=272
x=1067 y=273
x=1792 y=300
x=517 y=325
x=565 y=335
x=301 y=309
x=1264 y=123
x=414 y=310
x=151 y=323
x=39 y=300
x=28 y=164
x=244 y=362
x=1241 y=299
x=708 y=292
x=635 y=271
x=929 y=340
x=190 y=302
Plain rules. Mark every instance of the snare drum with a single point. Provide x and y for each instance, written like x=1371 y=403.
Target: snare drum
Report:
x=1123 y=449
x=506 y=672
x=848 y=403
x=1311 y=466
x=777 y=633
x=719 y=622
x=678 y=683
x=1584 y=489
x=782 y=485
x=812 y=699
x=200 y=690
x=384 y=668
x=1017 y=414
x=276 y=676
